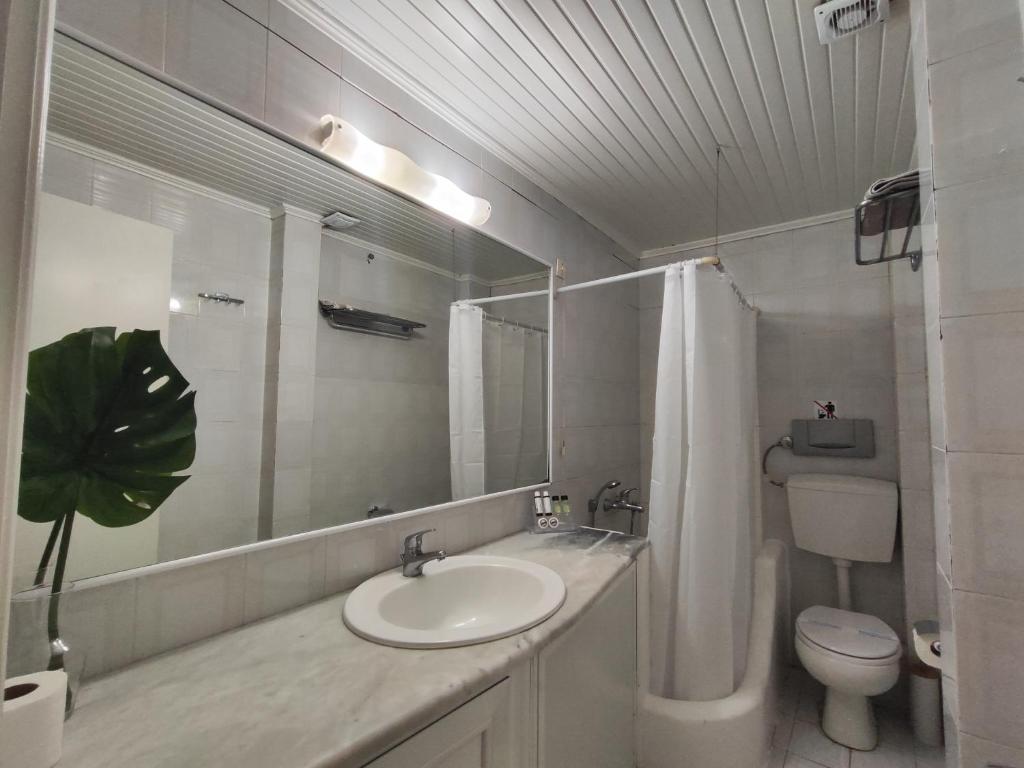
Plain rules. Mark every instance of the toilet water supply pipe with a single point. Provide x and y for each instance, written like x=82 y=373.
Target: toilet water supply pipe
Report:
x=843 y=582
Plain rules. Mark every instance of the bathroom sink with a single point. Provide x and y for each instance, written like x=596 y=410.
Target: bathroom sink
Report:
x=462 y=600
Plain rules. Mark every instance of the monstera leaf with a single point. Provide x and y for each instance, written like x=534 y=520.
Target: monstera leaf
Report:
x=107 y=422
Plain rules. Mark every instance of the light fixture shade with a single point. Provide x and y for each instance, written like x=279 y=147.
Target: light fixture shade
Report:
x=395 y=170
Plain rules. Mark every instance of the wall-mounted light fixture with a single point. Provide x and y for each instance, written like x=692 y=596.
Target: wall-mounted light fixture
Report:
x=395 y=170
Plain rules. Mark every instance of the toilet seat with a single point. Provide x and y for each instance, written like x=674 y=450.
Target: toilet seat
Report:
x=852 y=637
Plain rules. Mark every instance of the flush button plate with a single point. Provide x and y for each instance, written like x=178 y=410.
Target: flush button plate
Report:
x=840 y=438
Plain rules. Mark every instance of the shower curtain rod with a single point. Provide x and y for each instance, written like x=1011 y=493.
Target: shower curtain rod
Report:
x=710 y=260
x=507 y=297
x=703 y=260
x=505 y=321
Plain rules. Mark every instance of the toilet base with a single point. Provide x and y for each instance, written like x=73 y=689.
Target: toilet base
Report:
x=849 y=720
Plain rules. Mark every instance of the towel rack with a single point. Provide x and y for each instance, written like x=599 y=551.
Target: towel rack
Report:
x=348 y=318
x=896 y=210
x=220 y=297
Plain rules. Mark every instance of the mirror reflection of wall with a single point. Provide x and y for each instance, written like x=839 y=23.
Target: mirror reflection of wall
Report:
x=380 y=435
x=302 y=423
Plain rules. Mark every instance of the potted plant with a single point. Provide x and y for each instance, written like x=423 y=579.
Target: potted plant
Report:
x=107 y=423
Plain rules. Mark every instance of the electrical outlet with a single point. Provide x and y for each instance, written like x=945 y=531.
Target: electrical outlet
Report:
x=560 y=269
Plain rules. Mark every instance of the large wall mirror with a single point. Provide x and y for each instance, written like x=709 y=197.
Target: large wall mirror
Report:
x=341 y=373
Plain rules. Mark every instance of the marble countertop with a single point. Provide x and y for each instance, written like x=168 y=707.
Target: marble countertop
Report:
x=299 y=690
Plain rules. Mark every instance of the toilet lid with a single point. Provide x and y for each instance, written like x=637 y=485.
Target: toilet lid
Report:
x=848 y=633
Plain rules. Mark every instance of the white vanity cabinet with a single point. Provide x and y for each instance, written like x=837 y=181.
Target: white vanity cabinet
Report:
x=571 y=706
x=480 y=734
x=588 y=686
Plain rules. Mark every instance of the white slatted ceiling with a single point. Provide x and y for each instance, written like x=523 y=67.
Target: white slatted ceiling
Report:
x=616 y=106
x=106 y=104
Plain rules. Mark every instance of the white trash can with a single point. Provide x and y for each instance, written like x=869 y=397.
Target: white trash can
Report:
x=926 y=704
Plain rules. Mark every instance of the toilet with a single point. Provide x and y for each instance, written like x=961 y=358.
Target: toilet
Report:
x=854 y=655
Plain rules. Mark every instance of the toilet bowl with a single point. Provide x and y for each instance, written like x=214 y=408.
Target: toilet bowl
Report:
x=848 y=519
x=854 y=656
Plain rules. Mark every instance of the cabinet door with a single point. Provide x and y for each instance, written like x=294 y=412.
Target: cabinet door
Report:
x=476 y=735
x=587 y=683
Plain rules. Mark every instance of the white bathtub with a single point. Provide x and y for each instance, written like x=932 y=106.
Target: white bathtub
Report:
x=734 y=732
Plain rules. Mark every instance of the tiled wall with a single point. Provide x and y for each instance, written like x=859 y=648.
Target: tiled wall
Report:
x=219 y=348
x=286 y=471
x=597 y=414
x=970 y=109
x=824 y=332
x=268 y=63
x=916 y=523
x=365 y=381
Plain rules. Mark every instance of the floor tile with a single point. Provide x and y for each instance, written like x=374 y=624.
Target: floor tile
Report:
x=809 y=747
x=812 y=697
x=782 y=734
x=810 y=743
x=929 y=757
x=794 y=761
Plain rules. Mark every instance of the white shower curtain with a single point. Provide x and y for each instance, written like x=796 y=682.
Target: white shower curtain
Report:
x=466 y=400
x=703 y=487
x=497 y=403
x=514 y=404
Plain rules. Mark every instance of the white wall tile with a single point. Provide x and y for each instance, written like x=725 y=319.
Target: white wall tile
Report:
x=254 y=9
x=991 y=690
x=283 y=577
x=919 y=581
x=977 y=105
x=298 y=302
x=954 y=27
x=947 y=635
x=907 y=290
x=987 y=524
x=995 y=283
x=950 y=722
x=305 y=37
x=912 y=404
x=982 y=752
x=936 y=384
x=299 y=92
x=917 y=523
x=914 y=468
x=219 y=50
x=98 y=624
x=940 y=501
x=983 y=363
x=135 y=27
x=352 y=557
x=295 y=398
x=184 y=605
x=909 y=343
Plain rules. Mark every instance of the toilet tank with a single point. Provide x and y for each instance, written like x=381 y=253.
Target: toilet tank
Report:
x=844 y=516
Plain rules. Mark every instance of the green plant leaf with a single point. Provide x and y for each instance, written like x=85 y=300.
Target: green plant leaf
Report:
x=107 y=422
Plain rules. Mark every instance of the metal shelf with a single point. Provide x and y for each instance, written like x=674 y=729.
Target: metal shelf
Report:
x=895 y=211
x=348 y=318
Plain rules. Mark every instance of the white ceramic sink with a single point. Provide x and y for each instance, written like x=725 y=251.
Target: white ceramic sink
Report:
x=462 y=600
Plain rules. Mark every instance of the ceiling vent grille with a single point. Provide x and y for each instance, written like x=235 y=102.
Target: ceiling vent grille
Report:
x=839 y=18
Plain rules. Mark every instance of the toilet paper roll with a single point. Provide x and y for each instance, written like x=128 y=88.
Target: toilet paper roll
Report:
x=32 y=725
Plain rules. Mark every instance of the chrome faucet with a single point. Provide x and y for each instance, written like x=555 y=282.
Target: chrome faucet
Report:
x=413 y=556
x=594 y=503
x=625 y=503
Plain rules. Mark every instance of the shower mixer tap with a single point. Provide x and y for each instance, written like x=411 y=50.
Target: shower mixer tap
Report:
x=625 y=503
x=595 y=503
